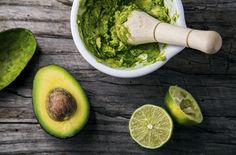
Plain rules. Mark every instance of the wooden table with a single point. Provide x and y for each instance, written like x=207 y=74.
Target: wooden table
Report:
x=211 y=79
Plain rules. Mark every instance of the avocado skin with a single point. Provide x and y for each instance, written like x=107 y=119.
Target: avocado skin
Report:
x=40 y=118
x=17 y=46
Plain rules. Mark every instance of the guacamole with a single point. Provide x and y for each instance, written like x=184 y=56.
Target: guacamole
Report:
x=98 y=21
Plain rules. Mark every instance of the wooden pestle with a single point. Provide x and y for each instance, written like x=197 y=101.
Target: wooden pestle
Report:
x=143 y=28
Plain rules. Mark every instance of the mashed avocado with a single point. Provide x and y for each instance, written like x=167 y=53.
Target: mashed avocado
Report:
x=98 y=21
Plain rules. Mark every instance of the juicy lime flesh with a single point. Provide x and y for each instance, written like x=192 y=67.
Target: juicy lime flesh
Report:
x=186 y=103
x=150 y=126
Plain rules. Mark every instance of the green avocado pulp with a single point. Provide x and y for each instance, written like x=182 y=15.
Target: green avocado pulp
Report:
x=98 y=21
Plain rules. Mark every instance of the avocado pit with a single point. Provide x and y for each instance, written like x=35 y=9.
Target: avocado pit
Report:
x=60 y=105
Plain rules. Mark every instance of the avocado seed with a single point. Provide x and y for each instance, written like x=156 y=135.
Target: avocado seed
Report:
x=60 y=104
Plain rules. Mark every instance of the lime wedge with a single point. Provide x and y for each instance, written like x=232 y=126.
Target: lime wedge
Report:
x=150 y=126
x=183 y=107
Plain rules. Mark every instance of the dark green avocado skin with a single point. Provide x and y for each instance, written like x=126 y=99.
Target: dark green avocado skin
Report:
x=17 y=46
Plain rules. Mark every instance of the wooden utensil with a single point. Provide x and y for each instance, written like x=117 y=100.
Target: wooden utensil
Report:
x=143 y=28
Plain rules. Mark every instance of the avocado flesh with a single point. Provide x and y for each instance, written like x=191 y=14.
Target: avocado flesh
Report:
x=17 y=46
x=100 y=20
x=47 y=79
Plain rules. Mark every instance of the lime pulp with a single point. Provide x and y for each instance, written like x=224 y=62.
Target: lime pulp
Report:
x=150 y=126
x=182 y=106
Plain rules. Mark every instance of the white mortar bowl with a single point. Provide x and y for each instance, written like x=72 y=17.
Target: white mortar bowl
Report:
x=173 y=5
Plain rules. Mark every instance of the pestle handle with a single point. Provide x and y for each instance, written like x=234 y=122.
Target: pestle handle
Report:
x=143 y=29
x=208 y=42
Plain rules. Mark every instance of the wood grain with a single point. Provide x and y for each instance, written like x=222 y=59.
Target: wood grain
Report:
x=211 y=79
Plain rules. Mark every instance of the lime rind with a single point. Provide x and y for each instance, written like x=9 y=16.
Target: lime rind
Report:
x=183 y=107
x=146 y=119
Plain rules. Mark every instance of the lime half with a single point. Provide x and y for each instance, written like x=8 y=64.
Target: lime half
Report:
x=150 y=126
x=183 y=107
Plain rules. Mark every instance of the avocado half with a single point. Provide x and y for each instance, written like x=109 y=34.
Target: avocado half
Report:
x=17 y=46
x=59 y=102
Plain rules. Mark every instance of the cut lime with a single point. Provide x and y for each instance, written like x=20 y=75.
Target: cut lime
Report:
x=150 y=126
x=183 y=107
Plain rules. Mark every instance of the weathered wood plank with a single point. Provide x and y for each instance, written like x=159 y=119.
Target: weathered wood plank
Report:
x=107 y=135
x=25 y=13
x=59 y=4
x=216 y=94
x=211 y=79
x=41 y=28
x=55 y=23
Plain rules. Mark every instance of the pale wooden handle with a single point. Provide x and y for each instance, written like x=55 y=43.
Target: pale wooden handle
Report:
x=208 y=42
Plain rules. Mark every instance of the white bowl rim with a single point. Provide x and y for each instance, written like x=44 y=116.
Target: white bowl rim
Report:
x=116 y=72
